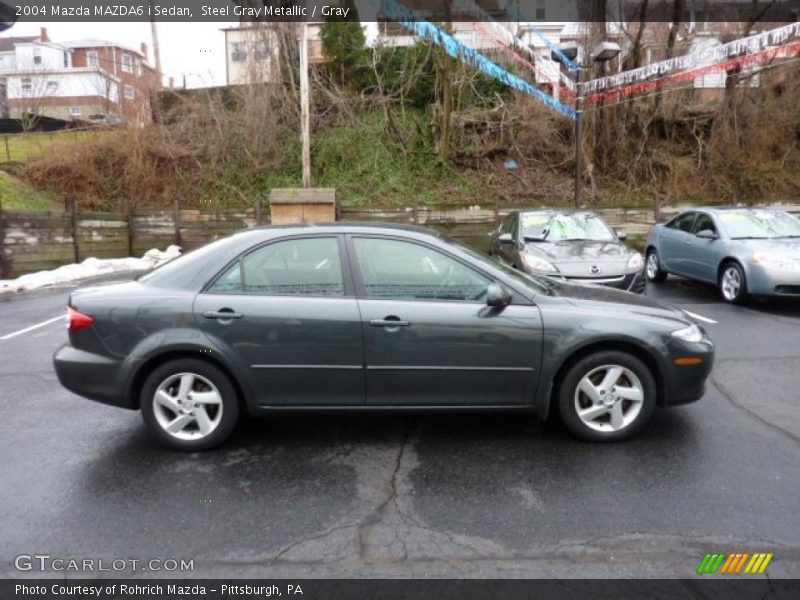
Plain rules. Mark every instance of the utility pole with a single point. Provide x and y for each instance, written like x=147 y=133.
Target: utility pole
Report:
x=578 y=135
x=156 y=49
x=305 y=110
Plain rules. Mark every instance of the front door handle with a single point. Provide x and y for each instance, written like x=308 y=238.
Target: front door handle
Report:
x=223 y=314
x=389 y=322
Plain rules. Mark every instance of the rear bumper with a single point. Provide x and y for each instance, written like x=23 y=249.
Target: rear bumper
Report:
x=92 y=376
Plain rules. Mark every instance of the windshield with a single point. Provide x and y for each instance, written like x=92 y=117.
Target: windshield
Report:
x=759 y=224
x=565 y=227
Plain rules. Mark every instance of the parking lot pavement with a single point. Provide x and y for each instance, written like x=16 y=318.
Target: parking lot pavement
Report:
x=446 y=495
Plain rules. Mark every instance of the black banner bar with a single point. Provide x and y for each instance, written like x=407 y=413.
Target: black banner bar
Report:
x=397 y=589
x=543 y=11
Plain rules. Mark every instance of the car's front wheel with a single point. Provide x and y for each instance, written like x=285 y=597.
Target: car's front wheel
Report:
x=733 y=284
x=607 y=396
x=189 y=405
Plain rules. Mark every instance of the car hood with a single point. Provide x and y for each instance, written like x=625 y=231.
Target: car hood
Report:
x=788 y=247
x=583 y=258
x=603 y=298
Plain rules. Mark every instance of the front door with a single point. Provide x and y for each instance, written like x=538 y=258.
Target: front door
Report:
x=286 y=314
x=673 y=245
x=430 y=338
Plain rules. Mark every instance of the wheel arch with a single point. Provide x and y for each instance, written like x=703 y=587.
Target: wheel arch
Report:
x=621 y=345
x=154 y=361
x=725 y=262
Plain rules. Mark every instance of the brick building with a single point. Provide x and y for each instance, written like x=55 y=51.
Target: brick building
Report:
x=94 y=80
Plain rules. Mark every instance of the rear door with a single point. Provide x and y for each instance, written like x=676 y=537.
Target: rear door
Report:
x=430 y=338
x=287 y=314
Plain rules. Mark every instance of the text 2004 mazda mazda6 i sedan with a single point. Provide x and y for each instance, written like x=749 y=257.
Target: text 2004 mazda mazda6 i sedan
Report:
x=371 y=317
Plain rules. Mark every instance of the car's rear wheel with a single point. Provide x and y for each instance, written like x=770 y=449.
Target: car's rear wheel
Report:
x=733 y=284
x=189 y=405
x=653 y=268
x=607 y=396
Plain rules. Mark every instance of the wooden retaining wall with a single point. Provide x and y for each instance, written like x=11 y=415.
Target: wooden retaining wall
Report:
x=34 y=241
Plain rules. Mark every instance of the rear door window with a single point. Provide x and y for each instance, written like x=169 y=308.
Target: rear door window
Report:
x=297 y=267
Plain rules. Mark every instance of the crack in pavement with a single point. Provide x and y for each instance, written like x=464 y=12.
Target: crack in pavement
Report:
x=725 y=393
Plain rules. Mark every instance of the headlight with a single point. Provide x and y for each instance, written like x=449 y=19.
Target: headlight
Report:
x=534 y=263
x=635 y=262
x=692 y=333
x=776 y=261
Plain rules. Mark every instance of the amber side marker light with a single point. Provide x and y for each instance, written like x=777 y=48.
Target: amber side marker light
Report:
x=77 y=320
x=688 y=360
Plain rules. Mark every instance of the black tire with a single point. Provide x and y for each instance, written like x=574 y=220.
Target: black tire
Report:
x=733 y=292
x=653 y=271
x=568 y=395
x=204 y=373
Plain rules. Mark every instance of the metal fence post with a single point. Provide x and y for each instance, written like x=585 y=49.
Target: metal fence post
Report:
x=176 y=217
x=3 y=270
x=75 y=247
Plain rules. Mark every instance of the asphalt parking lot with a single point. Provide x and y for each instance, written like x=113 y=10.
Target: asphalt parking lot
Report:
x=426 y=496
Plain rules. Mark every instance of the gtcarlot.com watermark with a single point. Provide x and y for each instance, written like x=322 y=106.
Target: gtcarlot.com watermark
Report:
x=49 y=563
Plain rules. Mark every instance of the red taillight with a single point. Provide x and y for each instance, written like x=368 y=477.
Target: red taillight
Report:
x=77 y=320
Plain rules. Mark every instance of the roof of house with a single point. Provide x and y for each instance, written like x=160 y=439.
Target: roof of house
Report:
x=7 y=43
x=98 y=43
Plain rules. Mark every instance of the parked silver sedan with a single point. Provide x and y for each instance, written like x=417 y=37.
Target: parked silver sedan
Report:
x=576 y=245
x=744 y=251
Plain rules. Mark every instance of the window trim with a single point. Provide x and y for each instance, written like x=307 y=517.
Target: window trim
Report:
x=92 y=58
x=347 y=279
x=125 y=89
x=361 y=290
x=129 y=68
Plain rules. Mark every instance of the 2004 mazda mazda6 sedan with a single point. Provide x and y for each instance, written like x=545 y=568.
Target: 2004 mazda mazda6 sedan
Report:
x=346 y=316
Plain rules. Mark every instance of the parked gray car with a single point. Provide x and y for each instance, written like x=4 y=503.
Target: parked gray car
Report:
x=347 y=316
x=744 y=251
x=575 y=245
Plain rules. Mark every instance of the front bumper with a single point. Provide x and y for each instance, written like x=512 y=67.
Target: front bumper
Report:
x=765 y=281
x=686 y=383
x=629 y=282
x=92 y=376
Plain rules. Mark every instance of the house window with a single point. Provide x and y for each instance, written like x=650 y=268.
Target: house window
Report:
x=127 y=63
x=52 y=86
x=138 y=68
x=66 y=59
x=37 y=56
x=238 y=53
x=541 y=10
x=27 y=84
x=262 y=50
x=75 y=111
x=92 y=59
x=129 y=91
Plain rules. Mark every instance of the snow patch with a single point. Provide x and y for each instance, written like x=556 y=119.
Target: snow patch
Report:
x=91 y=267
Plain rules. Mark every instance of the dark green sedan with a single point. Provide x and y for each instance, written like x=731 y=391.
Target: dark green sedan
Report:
x=372 y=317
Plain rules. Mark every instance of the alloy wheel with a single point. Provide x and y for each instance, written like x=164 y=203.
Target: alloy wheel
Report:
x=609 y=398
x=187 y=406
x=731 y=283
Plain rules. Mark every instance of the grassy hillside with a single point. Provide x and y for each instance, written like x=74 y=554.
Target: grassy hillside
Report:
x=18 y=195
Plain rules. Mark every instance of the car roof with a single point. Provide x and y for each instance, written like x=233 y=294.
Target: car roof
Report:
x=339 y=227
x=722 y=209
x=555 y=211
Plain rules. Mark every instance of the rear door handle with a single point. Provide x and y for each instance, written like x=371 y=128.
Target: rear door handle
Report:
x=224 y=314
x=389 y=322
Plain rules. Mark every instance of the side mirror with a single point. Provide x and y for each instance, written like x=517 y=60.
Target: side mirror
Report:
x=497 y=296
x=707 y=234
x=621 y=236
x=505 y=238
